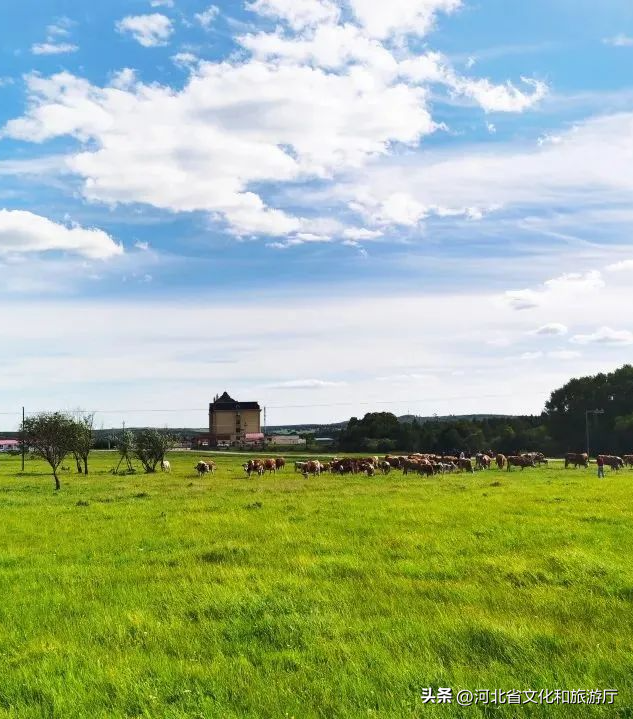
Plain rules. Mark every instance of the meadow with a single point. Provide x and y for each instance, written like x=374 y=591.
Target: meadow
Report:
x=171 y=596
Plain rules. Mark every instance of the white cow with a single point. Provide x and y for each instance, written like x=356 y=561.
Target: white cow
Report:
x=165 y=466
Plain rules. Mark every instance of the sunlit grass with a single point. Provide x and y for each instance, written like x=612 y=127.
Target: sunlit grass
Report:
x=174 y=596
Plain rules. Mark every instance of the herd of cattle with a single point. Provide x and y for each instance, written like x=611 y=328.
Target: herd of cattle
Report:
x=423 y=464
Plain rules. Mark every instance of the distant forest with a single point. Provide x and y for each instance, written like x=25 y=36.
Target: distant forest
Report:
x=560 y=428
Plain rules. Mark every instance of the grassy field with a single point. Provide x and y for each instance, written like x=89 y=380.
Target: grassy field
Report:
x=172 y=596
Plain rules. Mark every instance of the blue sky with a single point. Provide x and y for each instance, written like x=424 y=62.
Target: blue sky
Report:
x=326 y=205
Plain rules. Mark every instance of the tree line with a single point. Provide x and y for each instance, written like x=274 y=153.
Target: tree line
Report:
x=569 y=415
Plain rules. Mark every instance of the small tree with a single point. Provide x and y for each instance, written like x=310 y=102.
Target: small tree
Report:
x=83 y=441
x=125 y=446
x=52 y=436
x=150 y=447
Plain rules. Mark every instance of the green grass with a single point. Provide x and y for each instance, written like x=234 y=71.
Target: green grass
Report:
x=173 y=596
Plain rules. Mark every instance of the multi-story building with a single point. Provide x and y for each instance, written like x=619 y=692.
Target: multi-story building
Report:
x=232 y=422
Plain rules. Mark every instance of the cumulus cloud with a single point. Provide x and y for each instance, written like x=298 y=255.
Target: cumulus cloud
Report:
x=148 y=30
x=323 y=94
x=24 y=232
x=605 y=336
x=382 y=19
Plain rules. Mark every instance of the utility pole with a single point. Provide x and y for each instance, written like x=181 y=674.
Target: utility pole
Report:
x=587 y=413
x=23 y=439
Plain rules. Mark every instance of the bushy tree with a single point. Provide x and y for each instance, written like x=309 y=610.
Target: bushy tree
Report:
x=125 y=447
x=83 y=441
x=150 y=447
x=51 y=436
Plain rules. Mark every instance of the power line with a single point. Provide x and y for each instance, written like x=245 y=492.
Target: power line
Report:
x=408 y=401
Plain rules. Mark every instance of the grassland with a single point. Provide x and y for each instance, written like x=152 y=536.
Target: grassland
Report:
x=173 y=596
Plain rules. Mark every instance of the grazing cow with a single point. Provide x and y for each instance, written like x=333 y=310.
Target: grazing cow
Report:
x=465 y=465
x=628 y=460
x=280 y=462
x=300 y=466
x=538 y=457
x=254 y=466
x=202 y=468
x=165 y=466
x=501 y=460
x=519 y=461
x=312 y=467
x=270 y=466
x=609 y=460
x=577 y=459
x=385 y=467
x=393 y=462
x=482 y=461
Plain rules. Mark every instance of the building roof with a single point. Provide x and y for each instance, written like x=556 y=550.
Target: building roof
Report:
x=255 y=436
x=226 y=402
x=10 y=441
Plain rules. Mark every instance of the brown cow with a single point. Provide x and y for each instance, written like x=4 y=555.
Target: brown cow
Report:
x=501 y=460
x=270 y=466
x=483 y=461
x=518 y=461
x=465 y=465
x=628 y=460
x=577 y=459
x=312 y=467
x=280 y=462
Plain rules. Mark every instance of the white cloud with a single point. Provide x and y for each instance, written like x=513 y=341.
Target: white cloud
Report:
x=305 y=384
x=162 y=3
x=590 y=165
x=552 y=329
x=382 y=19
x=529 y=356
x=620 y=40
x=554 y=292
x=24 y=232
x=184 y=59
x=323 y=95
x=605 y=336
x=206 y=17
x=55 y=39
x=148 y=30
x=622 y=266
x=52 y=48
x=299 y=14
x=501 y=98
x=360 y=233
